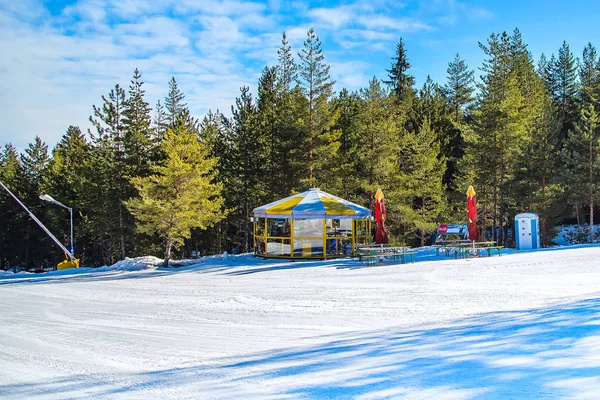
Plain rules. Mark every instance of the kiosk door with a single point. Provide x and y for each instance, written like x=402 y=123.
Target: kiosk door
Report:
x=525 y=238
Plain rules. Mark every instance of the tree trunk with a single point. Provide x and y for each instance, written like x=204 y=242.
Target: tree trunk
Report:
x=27 y=244
x=591 y=194
x=591 y=216
x=271 y=161
x=246 y=213
x=495 y=209
x=543 y=216
x=423 y=217
x=168 y=252
x=482 y=218
x=311 y=134
x=121 y=234
x=111 y=250
x=501 y=239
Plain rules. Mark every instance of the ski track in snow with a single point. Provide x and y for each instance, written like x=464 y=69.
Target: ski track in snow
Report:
x=523 y=325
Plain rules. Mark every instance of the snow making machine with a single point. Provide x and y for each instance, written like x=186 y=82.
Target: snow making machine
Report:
x=70 y=261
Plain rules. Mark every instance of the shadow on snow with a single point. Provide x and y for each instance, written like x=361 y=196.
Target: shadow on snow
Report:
x=540 y=353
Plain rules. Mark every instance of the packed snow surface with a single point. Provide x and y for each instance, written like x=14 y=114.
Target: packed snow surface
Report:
x=524 y=325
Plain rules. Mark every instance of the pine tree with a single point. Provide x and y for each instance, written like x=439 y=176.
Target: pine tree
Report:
x=321 y=143
x=180 y=194
x=14 y=229
x=375 y=146
x=550 y=78
x=460 y=86
x=247 y=145
x=138 y=135
x=241 y=161
x=215 y=133
x=110 y=184
x=68 y=180
x=288 y=107
x=589 y=76
x=511 y=98
x=267 y=123
x=435 y=108
x=174 y=102
x=399 y=79
x=287 y=70
x=352 y=174
x=422 y=170
x=537 y=182
x=35 y=165
x=35 y=161
x=582 y=162
x=567 y=86
x=159 y=122
x=544 y=71
x=108 y=121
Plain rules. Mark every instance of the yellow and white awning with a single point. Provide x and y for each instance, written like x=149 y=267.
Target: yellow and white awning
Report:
x=313 y=203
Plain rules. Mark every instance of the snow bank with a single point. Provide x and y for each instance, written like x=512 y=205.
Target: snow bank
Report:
x=132 y=264
x=572 y=234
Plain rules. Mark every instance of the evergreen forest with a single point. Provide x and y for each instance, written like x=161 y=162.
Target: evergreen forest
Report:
x=157 y=180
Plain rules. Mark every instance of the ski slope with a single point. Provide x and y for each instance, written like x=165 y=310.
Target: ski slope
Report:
x=524 y=325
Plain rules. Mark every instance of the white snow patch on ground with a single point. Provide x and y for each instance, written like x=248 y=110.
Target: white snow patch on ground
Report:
x=524 y=325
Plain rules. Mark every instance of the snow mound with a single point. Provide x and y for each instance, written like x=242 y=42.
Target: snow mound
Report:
x=572 y=234
x=133 y=264
x=2 y=272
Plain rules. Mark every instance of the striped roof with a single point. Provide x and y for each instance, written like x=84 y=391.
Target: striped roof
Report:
x=313 y=203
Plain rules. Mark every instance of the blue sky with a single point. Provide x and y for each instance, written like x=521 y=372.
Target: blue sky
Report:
x=60 y=57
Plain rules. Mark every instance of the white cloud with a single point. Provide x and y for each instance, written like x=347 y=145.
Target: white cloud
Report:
x=368 y=35
x=59 y=69
x=56 y=66
x=28 y=10
x=334 y=17
x=296 y=37
x=350 y=75
x=224 y=7
x=92 y=12
x=395 y=24
x=274 y=5
x=133 y=8
x=450 y=12
x=152 y=34
x=477 y=13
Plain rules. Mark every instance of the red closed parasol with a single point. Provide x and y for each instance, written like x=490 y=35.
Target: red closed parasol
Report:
x=381 y=236
x=472 y=214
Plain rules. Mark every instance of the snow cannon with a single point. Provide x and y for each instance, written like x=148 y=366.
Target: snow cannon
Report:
x=68 y=263
x=71 y=261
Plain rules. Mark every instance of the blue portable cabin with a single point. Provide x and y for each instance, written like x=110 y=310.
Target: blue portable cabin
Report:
x=527 y=231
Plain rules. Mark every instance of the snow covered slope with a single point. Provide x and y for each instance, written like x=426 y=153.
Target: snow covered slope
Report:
x=524 y=325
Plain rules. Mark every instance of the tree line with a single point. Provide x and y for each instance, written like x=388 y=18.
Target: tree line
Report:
x=147 y=180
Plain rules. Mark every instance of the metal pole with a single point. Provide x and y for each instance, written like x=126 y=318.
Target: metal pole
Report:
x=72 y=248
x=67 y=252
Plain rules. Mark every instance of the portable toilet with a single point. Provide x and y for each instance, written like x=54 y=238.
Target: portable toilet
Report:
x=527 y=231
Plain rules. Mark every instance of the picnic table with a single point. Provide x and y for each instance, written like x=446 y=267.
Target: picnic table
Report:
x=463 y=250
x=446 y=246
x=372 y=253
